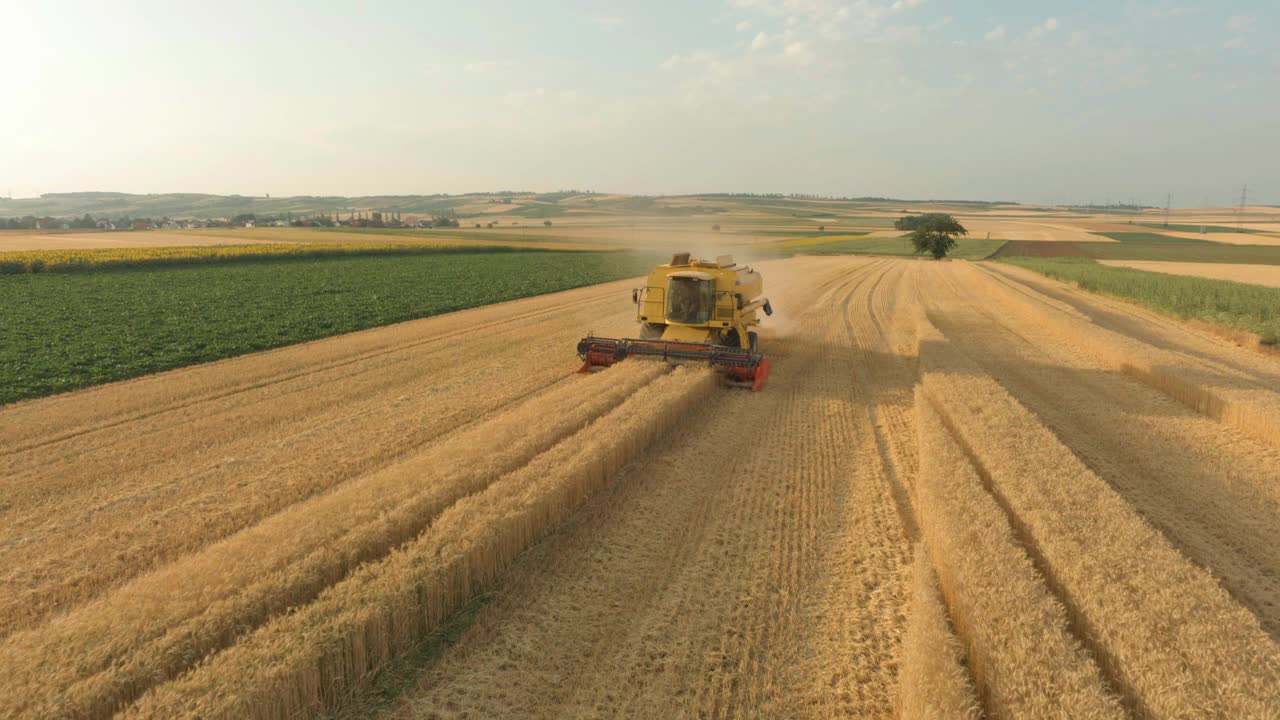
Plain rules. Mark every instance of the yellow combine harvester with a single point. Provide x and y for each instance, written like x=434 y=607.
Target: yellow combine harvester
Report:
x=694 y=310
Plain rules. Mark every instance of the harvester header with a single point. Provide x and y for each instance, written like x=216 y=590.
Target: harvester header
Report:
x=694 y=311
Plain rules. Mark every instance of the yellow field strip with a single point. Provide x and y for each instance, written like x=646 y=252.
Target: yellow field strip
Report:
x=1172 y=641
x=303 y=662
x=1025 y=660
x=530 y=237
x=1226 y=396
x=60 y=260
x=933 y=683
x=158 y=625
x=820 y=240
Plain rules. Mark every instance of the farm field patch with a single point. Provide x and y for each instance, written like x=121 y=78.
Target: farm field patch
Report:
x=1251 y=308
x=441 y=519
x=1167 y=252
x=966 y=248
x=1149 y=238
x=1268 y=275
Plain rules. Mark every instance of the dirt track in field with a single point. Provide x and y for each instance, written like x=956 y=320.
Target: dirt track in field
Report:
x=668 y=549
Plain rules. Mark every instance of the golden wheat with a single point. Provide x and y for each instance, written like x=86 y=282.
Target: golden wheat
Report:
x=309 y=660
x=1124 y=586
x=933 y=682
x=156 y=626
x=1218 y=390
x=1026 y=662
x=759 y=564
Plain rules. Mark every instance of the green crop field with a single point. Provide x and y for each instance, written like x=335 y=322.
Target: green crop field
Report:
x=1252 y=308
x=1171 y=252
x=1191 y=228
x=1146 y=237
x=898 y=246
x=64 y=331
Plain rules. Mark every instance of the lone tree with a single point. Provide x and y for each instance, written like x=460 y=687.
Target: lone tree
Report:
x=935 y=234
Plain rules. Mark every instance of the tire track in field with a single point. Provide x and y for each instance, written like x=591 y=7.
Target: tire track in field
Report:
x=888 y=371
x=764 y=646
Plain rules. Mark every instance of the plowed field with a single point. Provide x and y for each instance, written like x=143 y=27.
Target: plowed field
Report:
x=967 y=491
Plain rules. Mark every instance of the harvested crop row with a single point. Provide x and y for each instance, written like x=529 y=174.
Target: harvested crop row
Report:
x=247 y=462
x=88 y=662
x=1213 y=390
x=306 y=661
x=1020 y=647
x=1165 y=633
x=933 y=682
x=806 y=618
x=882 y=321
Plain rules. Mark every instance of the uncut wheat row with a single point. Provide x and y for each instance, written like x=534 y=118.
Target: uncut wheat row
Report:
x=934 y=682
x=309 y=660
x=1169 y=639
x=102 y=654
x=1025 y=660
x=1211 y=388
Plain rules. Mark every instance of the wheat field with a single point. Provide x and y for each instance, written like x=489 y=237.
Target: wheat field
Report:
x=967 y=492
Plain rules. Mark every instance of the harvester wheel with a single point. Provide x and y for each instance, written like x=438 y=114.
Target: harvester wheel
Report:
x=761 y=375
x=651 y=331
x=753 y=341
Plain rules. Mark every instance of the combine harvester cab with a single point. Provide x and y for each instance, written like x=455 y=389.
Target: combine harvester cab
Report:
x=694 y=311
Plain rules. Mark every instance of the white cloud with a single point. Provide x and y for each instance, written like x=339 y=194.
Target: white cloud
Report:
x=485 y=65
x=997 y=33
x=1240 y=23
x=1077 y=39
x=1047 y=26
x=799 y=53
x=520 y=97
x=1236 y=43
x=761 y=41
x=743 y=26
x=903 y=34
x=607 y=22
x=1167 y=11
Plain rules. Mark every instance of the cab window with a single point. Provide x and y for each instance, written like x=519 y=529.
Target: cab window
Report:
x=690 y=300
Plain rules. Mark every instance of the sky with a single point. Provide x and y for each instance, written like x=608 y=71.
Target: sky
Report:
x=1040 y=102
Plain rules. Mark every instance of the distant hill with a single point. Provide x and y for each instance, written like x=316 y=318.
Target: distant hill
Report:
x=179 y=206
x=192 y=205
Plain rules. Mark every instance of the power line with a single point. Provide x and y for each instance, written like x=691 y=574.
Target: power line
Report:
x=1244 y=200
